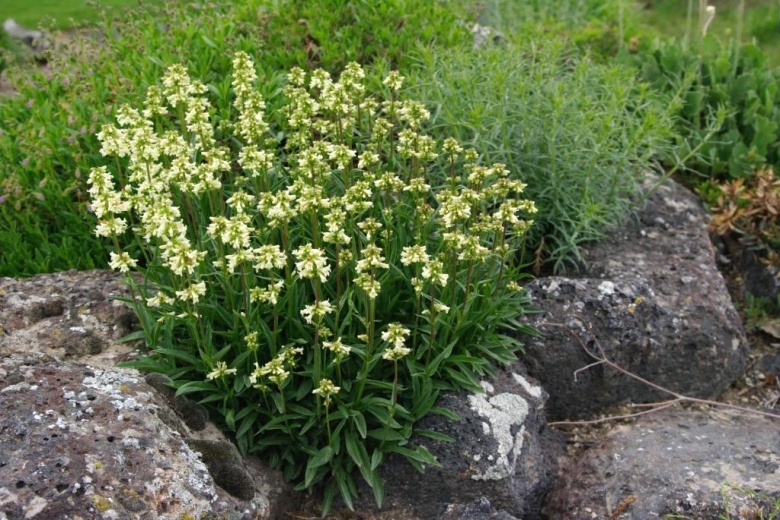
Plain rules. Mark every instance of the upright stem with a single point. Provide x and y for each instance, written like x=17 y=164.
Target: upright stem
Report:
x=688 y=25
x=327 y=421
x=317 y=347
x=738 y=43
x=502 y=261
x=370 y=315
x=468 y=281
x=338 y=288
x=432 y=322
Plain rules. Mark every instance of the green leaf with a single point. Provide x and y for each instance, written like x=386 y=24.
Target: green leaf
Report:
x=465 y=380
x=183 y=355
x=246 y=424
x=196 y=386
x=303 y=389
x=376 y=486
x=145 y=364
x=208 y=41
x=440 y=410
x=376 y=458
x=223 y=352
x=433 y=366
x=241 y=358
x=133 y=336
x=300 y=410
x=341 y=481
x=322 y=457
x=327 y=498
x=419 y=454
x=360 y=424
x=319 y=459
x=386 y=434
x=211 y=398
x=431 y=434
x=356 y=451
x=278 y=401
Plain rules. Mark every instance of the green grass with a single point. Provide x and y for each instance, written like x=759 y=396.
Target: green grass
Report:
x=64 y=13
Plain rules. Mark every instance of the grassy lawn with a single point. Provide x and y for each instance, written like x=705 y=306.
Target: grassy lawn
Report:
x=63 y=12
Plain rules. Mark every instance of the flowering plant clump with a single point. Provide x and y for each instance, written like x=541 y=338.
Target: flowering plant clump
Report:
x=318 y=274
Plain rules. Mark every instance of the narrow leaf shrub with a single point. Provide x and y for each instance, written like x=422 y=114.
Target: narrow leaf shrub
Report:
x=581 y=134
x=317 y=272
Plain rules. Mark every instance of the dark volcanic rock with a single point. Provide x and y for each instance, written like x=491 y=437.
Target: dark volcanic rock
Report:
x=70 y=315
x=88 y=442
x=653 y=298
x=691 y=463
x=194 y=415
x=501 y=463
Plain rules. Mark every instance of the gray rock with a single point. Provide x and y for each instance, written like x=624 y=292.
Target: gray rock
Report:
x=194 y=415
x=45 y=321
x=698 y=464
x=73 y=315
x=89 y=442
x=225 y=466
x=483 y=34
x=653 y=298
x=503 y=456
x=478 y=510
x=758 y=277
x=30 y=37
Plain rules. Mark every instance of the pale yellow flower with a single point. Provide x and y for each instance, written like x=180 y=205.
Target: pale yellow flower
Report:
x=121 y=262
x=192 y=292
x=220 y=370
x=326 y=389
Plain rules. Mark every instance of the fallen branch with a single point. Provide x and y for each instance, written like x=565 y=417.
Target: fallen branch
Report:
x=600 y=358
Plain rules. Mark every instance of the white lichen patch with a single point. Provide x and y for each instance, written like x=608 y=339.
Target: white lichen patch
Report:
x=18 y=387
x=19 y=301
x=114 y=384
x=7 y=497
x=131 y=442
x=108 y=382
x=607 y=288
x=503 y=413
x=61 y=424
x=35 y=506
x=533 y=391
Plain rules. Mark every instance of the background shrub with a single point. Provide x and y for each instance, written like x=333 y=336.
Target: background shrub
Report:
x=734 y=78
x=581 y=134
x=598 y=27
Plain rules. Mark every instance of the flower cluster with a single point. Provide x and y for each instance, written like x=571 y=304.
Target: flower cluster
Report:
x=396 y=334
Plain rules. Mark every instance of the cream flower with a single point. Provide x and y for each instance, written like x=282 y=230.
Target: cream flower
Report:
x=192 y=293
x=311 y=263
x=121 y=262
x=220 y=370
